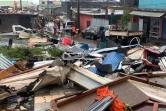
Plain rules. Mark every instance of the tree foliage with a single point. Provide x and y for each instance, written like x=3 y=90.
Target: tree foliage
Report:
x=125 y=18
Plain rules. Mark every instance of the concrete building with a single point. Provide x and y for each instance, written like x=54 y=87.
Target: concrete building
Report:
x=151 y=18
x=66 y=5
x=50 y=3
x=87 y=15
x=7 y=20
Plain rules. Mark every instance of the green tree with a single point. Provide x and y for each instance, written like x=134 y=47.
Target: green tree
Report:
x=125 y=18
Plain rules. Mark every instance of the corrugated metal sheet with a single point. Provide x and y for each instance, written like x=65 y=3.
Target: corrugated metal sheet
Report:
x=114 y=59
x=147 y=14
x=99 y=22
x=4 y=62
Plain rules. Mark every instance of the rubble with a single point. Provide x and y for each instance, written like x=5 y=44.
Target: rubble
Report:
x=78 y=77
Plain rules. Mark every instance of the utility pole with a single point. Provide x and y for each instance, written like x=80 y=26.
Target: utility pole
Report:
x=106 y=11
x=21 y=4
x=78 y=14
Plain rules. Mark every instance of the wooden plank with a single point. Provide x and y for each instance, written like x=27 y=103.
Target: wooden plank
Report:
x=83 y=81
x=27 y=75
x=127 y=93
x=142 y=80
x=155 y=107
x=157 y=93
x=125 y=34
x=29 y=70
x=7 y=72
x=90 y=75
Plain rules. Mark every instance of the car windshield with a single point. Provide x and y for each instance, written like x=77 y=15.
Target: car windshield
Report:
x=70 y=23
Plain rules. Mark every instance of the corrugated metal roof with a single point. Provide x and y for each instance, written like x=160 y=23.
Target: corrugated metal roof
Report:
x=114 y=59
x=4 y=62
x=147 y=14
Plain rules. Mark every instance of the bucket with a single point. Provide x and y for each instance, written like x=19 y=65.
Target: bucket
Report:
x=66 y=41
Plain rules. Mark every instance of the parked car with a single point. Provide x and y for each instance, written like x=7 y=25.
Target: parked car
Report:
x=18 y=28
x=92 y=32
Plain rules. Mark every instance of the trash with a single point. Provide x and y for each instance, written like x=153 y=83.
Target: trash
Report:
x=37 y=40
x=162 y=64
x=103 y=92
x=114 y=59
x=101 y=105
x=23 y=108
x=86 y=78
x=67 y=41
x=54 y=75
x=127 y=93
x=85 y=47
x=136 y=53
x=104 y=67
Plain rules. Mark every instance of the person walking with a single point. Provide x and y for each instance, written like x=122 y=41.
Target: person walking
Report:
x=102 y=43
x=55 y=29
x=10 y=43
x=73 y=31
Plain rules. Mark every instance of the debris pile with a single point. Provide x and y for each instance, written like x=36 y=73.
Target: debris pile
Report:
x=84 y=78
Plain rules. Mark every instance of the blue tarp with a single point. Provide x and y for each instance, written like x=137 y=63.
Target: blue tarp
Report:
x=112 y=58
x=85 y=47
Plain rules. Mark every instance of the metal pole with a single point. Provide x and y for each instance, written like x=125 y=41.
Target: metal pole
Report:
x=106 y=11
x=78 y=14
x=21 y=4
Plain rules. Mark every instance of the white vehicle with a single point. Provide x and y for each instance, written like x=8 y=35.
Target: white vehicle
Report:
x=18 y=28
x=69 y=24
x=110 y=28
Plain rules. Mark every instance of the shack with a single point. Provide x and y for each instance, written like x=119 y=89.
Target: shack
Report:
x=7 y=20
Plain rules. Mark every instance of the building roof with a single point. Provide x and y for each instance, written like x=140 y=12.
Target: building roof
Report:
x=147 y=14
x=95 y=11
x=10 y=3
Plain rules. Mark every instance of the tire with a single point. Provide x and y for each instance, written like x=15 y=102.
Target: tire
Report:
x=92 y=37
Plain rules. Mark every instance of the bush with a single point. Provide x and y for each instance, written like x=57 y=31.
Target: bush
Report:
x=20 y=52
x=55 y=52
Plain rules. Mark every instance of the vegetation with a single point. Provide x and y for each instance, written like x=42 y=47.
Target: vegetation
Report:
x=24 y=53
x=125 y=18
x=55 y=52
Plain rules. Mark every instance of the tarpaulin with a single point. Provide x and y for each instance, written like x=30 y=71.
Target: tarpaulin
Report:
x=103 y=92
x=85 y=47
x=98 y=72
x=114 y=59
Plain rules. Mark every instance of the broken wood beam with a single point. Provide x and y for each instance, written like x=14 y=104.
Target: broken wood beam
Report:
x=9 y=71
x=92 y=76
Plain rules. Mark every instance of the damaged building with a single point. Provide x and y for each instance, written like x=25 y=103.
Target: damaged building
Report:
x=7 y=20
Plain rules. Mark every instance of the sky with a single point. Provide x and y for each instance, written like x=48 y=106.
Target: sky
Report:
x=33 y=1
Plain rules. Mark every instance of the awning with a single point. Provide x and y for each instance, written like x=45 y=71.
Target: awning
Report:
x=147 y=14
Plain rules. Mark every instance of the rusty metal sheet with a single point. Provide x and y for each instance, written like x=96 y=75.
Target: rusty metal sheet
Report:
x=150 y=106
x=144 y=107
x=127 y=93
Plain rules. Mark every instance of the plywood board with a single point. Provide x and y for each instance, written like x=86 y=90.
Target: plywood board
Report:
x=127 y=93
x=151 y=91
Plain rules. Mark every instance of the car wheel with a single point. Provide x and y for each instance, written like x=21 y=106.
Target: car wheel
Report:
x=92 y=37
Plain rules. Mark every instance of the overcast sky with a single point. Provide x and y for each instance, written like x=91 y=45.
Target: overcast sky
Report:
x=33 y=1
